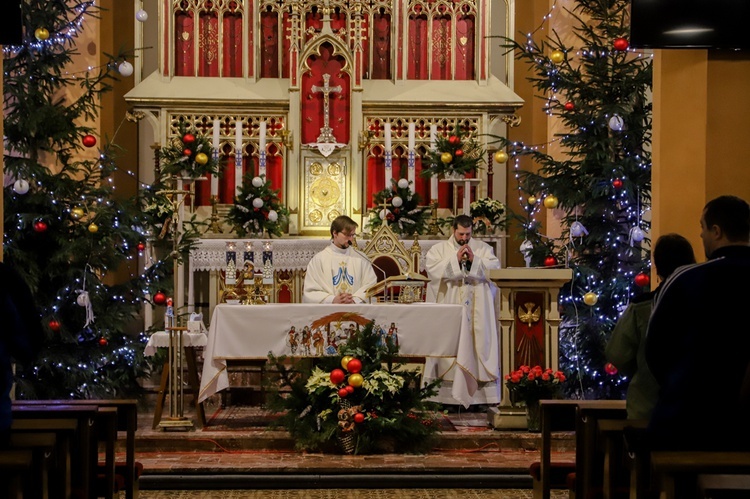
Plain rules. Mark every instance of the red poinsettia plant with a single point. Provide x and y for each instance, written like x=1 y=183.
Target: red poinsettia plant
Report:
x=529 y=384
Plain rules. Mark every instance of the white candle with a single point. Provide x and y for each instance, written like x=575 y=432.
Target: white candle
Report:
x=388 y=159
x=433 y=179
x=262 y=148
x=411 y=136
x=215 y=144
x=411 y=170
x=238 y=159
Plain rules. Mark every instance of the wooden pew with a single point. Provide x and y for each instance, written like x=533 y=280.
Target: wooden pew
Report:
x=42 y=446
x=65 y=431
x=86 y=453
x=15 y=468
x=679 y=471
x=127 y=422
x=615 y=456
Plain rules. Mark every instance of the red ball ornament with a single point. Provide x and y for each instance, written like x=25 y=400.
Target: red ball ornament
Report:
x=459 y=153
x=89 y=140
x=141 y=247
x=359 y=418
x=54 y=326
x=642 y=279
x=454 y=140
x=617 y=183
x=569 y=106
x=187 y=152
x=103 y=342
x=188 y=138
x=550 y=261
x=343 y=393
x=610 y=369
x=337 y=376
x=620 y=44
x=40 y=226
x=349 y=389
x=160 y=298
x=354 y=366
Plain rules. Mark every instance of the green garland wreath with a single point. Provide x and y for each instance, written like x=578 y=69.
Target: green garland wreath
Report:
x=189 y=155
x=386 y=412
x=267 y=214
x=456 y=153
x=408 y=219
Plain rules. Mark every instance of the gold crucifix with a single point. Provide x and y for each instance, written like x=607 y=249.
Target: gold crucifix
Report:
x=326 y=132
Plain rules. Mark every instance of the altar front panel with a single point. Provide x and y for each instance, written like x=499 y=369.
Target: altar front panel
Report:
x=240 y=332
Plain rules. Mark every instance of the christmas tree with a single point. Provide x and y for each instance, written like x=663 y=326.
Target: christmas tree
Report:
x=65 y=230
x=600 y=181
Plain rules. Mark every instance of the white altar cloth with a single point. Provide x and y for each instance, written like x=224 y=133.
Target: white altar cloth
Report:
x=252 y=331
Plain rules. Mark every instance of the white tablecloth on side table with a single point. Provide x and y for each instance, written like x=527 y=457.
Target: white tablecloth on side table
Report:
x=253 y=331
x=160 y=339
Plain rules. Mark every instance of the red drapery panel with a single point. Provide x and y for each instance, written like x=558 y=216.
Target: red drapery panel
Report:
x=465 y=48
x=183 y=44
x=441 y=48
x=381 y=47
x=417 y=48
x=269 y=45
x=208 y=45
x=232 y=43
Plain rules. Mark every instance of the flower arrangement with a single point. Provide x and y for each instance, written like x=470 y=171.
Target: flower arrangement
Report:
x=257 y=208
x=357 y=399
x=454 y=154
x=405 y=216
x=487 y=214
x=531 y=384
x=189 y=155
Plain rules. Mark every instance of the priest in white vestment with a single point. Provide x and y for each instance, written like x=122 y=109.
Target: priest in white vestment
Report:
x=339 y=274
x=458 y=270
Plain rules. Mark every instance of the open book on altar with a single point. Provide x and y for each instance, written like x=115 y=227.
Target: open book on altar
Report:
x=410 y=287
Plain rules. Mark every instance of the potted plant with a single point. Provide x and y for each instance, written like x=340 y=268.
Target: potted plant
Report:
x=404 y=214
x=454 y=156
x=488 y=215
x=189 y=155
x=258 y=209
x=532 y=384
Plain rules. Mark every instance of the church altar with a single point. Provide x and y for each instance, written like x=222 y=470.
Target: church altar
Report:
x=240 y=332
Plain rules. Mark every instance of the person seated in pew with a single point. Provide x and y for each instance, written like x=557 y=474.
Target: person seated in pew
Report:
x=698 y=340
x=626 y=348
x=339 y=273
x=21 y=337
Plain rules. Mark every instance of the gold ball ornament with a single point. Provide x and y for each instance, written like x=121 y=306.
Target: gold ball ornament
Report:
x=550 y=202
x=93 y=228
x=345 y=360
x=590 y=298
x=77 y=213
x=501 y=156
x=356 y=380
x=201 y=158
x=41 y=34
x=557 y=56
x=446 y=157
x=531 y=200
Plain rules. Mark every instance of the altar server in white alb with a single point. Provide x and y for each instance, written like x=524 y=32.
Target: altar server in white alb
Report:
x=458 y=270
x=339 y=274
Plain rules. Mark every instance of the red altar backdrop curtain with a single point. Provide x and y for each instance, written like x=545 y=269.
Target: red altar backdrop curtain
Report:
x=417 y=48
x=232 y=44
x=208 y=45
x=269 y=45
x=441 y=48
x=380 y=46
x=464 y=49
x=529 y=340
x=183 y=44
x=312 y=102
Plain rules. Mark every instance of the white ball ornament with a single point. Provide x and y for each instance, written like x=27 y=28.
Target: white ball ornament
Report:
x=125 y=69
x=257 y=181
x=141 y=16
x=383 y=214
x=577 y=229
x=397 y=201
x=83 y=299
x=273 y=216
x=257 y=203
x=403 y=183
x=616 y=123
x=21 y=186
x=636 y=234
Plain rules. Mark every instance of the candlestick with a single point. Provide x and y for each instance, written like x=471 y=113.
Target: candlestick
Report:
x=215 y=151
x=411 y=165
x=262 y=149
x=433 y=179
x=238 y=159
x=388 y=158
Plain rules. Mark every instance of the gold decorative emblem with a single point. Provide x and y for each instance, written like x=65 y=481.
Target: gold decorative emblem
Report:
x=530 y=315
x=332 y=215
x=334 y=169
x=316 y=168
x=316 y=216
x=325 y=192
x=185 y=35
x=463 y=40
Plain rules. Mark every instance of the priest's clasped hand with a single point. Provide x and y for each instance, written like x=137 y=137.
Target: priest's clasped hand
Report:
x=465 y=253
x=343 y=298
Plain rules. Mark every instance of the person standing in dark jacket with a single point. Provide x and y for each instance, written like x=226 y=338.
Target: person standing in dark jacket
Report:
x=21 y=337
x=698 y=340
